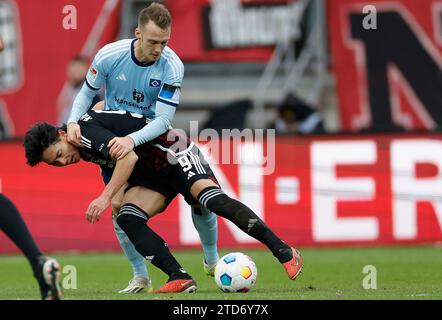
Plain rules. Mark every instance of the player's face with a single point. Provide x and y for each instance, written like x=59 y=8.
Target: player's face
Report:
x=153 y=39
x=61 y=153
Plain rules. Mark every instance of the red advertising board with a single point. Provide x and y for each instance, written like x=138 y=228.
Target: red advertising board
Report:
x=386 y=55
x=40 y=38
x=319 y=191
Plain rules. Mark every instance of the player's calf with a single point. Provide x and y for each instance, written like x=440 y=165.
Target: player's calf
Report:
x=132 y=219
x=243 y=217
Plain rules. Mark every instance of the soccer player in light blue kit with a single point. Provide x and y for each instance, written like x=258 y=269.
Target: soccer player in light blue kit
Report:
x=143 y=76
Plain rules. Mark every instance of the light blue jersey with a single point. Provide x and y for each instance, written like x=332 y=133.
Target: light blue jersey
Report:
x=151 y=89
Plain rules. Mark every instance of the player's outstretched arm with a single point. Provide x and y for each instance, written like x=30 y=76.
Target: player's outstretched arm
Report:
x=123 y=170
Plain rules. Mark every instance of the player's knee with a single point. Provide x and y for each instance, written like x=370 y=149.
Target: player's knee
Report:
x=215 y=200
x=242 y=216
x=116 y=205
x=131 y=216
x=200 y=185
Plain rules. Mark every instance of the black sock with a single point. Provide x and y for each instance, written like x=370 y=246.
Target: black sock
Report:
x=15 y=228
x=150 y=245
x=243 y=217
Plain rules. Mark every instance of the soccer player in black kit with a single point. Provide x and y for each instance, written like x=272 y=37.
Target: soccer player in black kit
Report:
x=46 y=270
x=169 y=164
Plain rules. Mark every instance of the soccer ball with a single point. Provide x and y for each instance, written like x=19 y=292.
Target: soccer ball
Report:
x=235 y=272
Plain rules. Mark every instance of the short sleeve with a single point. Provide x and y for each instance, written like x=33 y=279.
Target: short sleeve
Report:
x=174 y=71
x=97 y=73
x=94 y=136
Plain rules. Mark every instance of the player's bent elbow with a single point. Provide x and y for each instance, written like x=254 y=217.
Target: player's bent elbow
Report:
x=129 y=160
x=116 y=204
x=167 y=124
x=164 y=120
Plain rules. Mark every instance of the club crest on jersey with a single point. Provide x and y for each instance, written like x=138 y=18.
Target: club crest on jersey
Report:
x=154 y=83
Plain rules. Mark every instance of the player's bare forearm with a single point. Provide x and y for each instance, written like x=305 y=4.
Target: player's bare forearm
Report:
x=123 y=170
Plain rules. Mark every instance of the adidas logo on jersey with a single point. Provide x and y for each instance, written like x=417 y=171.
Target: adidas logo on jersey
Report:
x=190 y=175
x=121 y=77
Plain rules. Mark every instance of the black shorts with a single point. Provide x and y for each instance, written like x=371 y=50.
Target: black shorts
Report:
x=152 y=182
x=190 y=166
x=155 y=183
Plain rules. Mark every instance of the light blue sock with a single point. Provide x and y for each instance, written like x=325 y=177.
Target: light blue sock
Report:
x=207 y=226
x=136 y=260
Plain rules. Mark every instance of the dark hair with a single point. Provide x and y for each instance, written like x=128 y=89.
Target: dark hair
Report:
x=156 y=12
x=38 y=139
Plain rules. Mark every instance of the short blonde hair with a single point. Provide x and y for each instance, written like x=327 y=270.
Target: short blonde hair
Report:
x=157 y=13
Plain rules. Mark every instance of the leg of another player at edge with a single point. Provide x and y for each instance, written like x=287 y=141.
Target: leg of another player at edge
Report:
x=45 y=269
x=206 y=224
x=211 y=196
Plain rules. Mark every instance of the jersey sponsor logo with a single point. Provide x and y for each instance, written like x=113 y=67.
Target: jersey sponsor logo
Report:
x=138 y=96
x=121 y=101
x=154 y=83
x=93 y=73
x=88 y=156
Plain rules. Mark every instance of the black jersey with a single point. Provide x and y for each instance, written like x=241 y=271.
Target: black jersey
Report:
x=99 y=127
x=169 y=164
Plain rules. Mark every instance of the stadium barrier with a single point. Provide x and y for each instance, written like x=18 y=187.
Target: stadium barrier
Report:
x=321 y=191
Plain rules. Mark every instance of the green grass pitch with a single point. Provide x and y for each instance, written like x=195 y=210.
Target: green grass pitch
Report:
x=401 y=273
